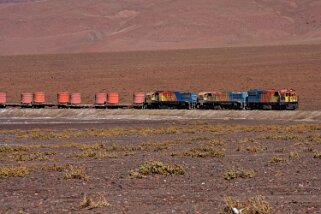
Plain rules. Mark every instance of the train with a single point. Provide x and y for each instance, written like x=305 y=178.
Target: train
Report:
x=253 y=99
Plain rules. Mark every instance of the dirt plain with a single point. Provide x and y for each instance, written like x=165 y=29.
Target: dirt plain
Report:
x=221 y=69
x=283 y=156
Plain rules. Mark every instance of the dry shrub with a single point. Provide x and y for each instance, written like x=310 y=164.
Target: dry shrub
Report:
x=215 y=142
x=8 y=149
x=92 y=154
x=294 y=155
x=199 y=138
x=156 y=168
x=317 y=155
x=254 y=148
x=255 y=205
x=308 y=149
x=284 y=137
x=202 y=152
x=278 y=159
x=75 y=172
x=54 y=167
x=155 y=146
x=96 y=201
x=14 y=171
x=238 y=173
x=210 y=149
x=314 y=138
x=36 y=156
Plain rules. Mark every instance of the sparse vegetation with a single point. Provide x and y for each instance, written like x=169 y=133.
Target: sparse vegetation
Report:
x=278 y=159
x=13 y=171
x=317 y=155
x=238 y=173
x=254 y=148
x=255 y=205
x=54 y=167
x=202 y=152
x=45 y=134
x=308 y=149
x=96 y=201
x=57 y=148
x=156 y=168
x=210 y=149
x=75 y=172
x=294 y=155
x=284 y=137
x=92 y=154
x=36 y=156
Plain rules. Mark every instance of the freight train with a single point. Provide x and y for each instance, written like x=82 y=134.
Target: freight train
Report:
x=285 y=99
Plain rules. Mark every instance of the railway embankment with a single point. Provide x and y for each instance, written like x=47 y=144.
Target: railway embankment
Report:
x=134 y=114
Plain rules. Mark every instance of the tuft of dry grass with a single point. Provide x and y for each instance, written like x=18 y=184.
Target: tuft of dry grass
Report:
x=202 y=152
x=314 y=138
x=92 y=154
x=96 y=201
x=36 y=156
x=75 y=172
x=255 y=205
x=54 y=167
x=254 y=148
x=215 y=142
x=156 y=168
x=199 y=138
x=238 y=173
x=155 y=146
x=14 y=171
x=278 y=159
x=294 y=155
x=8 y=149
x=308 y=149
x=317 y=155
x=284 y=137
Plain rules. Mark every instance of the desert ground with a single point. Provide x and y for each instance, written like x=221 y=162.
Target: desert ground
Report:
x=162 y=166
x=218 y=69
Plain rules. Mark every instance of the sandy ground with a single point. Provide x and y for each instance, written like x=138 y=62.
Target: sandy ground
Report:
x=290 y=183
x=100 y=115
x=221 y=69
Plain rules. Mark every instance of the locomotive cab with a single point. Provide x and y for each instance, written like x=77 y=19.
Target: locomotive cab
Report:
x=288 y=96
x=289 y=99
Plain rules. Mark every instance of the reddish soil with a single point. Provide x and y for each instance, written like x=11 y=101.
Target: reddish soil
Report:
x=35 y=27
x=292 y=186
x=238 y=69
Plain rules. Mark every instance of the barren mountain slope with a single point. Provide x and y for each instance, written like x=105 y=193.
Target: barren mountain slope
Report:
x=64 y=26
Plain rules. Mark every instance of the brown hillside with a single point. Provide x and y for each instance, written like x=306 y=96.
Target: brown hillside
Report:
x=69 y=26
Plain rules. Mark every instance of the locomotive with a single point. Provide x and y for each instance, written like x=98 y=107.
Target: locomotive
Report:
x=285 y=99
